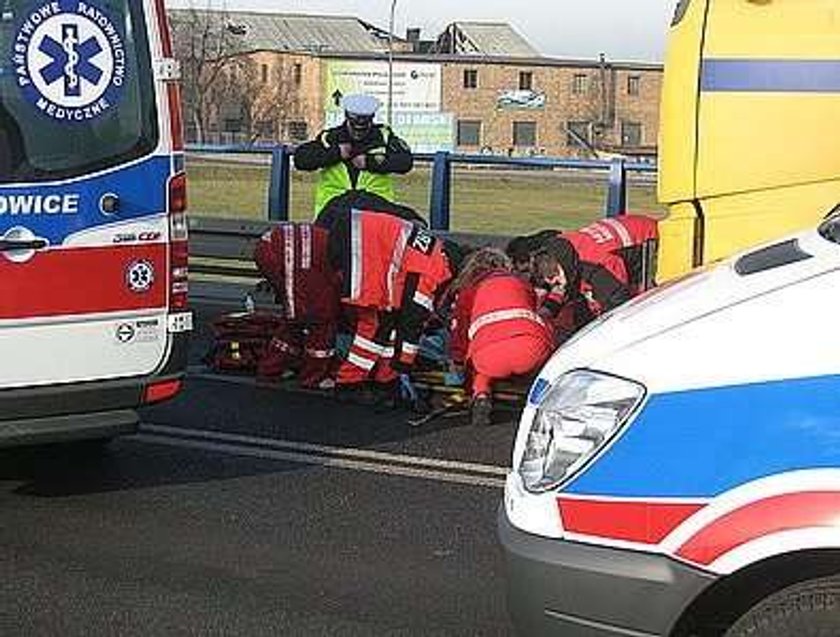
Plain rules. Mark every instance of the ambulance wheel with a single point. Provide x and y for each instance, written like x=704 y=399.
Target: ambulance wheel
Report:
x=807 y=609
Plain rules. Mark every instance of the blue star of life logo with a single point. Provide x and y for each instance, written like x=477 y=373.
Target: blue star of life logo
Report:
x=69 y=60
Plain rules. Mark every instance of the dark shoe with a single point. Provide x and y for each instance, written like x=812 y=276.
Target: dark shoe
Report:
x=354 y=394
x=385 y=396
x=482 y=407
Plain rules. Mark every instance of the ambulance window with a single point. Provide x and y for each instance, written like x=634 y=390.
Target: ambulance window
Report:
x=76 y=88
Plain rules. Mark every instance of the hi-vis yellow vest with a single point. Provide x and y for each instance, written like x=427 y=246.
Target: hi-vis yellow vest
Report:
x=335 y=180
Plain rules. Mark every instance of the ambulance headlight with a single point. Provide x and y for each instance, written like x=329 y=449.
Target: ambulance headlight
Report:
x=575 y=420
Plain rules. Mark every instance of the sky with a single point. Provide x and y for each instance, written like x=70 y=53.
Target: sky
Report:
x=622 y=29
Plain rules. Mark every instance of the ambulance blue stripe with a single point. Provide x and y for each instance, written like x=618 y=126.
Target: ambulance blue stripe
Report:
x=141 y=188
x=704 y=442
x=783 y=76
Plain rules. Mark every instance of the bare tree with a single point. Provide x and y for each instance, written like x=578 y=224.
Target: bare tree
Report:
x=223 y=80
x=206 y=43
x=595 y=106
x=268 y=96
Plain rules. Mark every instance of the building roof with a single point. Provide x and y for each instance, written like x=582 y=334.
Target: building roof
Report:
x=540 y=61
x=493 y=39
x=296 y=32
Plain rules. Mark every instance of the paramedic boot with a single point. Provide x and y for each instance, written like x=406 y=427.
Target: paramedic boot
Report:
x=354 y=394
x=482 y=407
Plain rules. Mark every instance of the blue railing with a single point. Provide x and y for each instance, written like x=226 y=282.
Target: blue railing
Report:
x=440 y=197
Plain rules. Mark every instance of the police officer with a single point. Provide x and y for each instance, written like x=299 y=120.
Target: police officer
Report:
x=357 y=161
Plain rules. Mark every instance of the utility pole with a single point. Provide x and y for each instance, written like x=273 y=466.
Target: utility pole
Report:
x=391 y=62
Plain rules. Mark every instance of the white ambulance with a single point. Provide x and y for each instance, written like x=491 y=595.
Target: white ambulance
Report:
x=677 y=468
x=93 y=241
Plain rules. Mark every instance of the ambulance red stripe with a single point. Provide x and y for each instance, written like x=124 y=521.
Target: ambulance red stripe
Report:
x=80 y=281
x=791 y=511
x=632 y=521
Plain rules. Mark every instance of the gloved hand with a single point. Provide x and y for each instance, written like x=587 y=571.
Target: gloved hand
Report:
x=360 y=161
x=454 y=376
x=407 y=392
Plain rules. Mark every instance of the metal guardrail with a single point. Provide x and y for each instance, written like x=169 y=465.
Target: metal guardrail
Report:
x=440 y=198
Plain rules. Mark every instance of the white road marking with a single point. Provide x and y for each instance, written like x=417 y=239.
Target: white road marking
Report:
x=323 y=461
x=341 y=452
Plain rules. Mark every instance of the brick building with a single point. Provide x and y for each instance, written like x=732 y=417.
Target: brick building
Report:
x=478 y=87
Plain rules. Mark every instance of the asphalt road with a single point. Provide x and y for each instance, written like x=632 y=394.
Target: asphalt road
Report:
x=248 y=510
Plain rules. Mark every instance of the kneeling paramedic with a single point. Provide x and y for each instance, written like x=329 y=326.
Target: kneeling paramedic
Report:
x=625 y=245
x=293 y=258
x=496 y=330
x=634 y=239
x=577 y=278
x=392 y=271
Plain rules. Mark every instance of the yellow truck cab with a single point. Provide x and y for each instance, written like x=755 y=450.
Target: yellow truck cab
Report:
x=749 y=142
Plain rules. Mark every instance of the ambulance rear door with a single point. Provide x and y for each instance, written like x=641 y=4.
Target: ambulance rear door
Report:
x=84 y=174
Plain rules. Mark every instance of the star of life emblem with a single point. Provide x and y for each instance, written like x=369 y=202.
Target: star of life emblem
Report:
x=140 y=276
x=69 y=60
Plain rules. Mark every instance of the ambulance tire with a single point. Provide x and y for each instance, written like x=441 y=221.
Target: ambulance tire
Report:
x=807 y=609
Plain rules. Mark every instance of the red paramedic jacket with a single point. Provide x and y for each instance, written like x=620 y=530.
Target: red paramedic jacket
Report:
x=293 y=257
x=498 y=307
x=591 y=251
x=390 y=264
x=625 y=231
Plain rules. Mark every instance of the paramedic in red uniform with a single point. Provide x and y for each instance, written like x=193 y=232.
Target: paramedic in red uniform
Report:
x=392 y=271
x=633 y=238
x=293 y=257
x=626 y=245
x=496 y=330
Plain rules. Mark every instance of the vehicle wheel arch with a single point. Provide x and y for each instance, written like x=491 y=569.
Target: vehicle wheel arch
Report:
x=728 y=598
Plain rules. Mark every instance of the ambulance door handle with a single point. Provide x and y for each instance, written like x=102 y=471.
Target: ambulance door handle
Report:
x=7 y=245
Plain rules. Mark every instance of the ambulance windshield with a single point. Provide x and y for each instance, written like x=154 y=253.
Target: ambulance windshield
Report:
x=76 y=88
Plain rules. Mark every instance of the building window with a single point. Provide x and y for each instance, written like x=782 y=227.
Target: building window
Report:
x=470 y=78
x=297 y=131
x=524 y=134
x=264 y=73
x=631 y=134
x=297 y=74
x=232 y=125
x=265 y=129
x=579 y=84
x=469 y=132
x=633 y=84
x=578 y=134
x=526 y=81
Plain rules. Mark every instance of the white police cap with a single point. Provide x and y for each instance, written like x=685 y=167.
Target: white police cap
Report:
x=360 y=104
